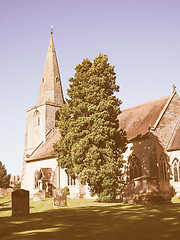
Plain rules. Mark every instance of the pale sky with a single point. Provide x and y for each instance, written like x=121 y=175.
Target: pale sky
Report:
x=140 y=37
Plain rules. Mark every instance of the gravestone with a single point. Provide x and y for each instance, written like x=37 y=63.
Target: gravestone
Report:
x=20 y=202
x=59 y=197
x=37 y=197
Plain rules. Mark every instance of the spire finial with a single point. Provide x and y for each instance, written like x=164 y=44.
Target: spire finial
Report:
x=51 y=29
x=174 y=88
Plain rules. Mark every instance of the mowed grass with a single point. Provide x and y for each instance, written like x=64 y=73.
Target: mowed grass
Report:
x=87 y=219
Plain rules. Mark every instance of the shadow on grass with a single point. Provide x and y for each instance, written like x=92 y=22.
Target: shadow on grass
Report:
x=5 y=209
x=113 y=221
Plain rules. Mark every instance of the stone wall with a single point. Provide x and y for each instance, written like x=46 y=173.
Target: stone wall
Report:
x=173 y=155
x=32 y=167
x=168 y=121
x=36 y=131
x=59 y=178
x=148 y=186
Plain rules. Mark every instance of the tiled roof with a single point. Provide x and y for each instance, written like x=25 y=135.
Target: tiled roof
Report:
x=44 y=151
x=137 y=120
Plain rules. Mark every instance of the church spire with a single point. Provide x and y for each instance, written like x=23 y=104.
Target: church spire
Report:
x=51 y=88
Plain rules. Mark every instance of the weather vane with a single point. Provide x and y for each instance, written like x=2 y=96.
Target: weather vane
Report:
x=51 y=29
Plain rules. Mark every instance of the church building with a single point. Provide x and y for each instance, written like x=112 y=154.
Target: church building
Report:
x=152 y=156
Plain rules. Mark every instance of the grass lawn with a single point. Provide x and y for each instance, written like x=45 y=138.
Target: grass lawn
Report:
x=87 y=219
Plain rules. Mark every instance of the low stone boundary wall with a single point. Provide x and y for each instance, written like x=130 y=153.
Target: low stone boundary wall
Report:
x=5 y=192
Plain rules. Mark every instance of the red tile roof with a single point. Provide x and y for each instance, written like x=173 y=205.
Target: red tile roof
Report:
x=137 y=120
x=45 y=149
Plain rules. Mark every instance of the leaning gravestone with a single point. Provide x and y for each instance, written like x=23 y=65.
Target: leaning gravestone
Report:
x=20 y=202
x=59 y=197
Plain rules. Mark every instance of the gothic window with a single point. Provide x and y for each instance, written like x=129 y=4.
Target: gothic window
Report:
x=153 y=164
x=176 y=170
x=36 y=118
x=56 y=117
x=38 y=121
x=163 y=174
x=135 y=168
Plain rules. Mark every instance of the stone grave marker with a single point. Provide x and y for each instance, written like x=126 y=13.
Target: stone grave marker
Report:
x=20 y=202
x=37 y=197
x=59 y=197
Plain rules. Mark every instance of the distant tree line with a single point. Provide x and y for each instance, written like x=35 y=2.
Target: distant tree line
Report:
x=4 y=177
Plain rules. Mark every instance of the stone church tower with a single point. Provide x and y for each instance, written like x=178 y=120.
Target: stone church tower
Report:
x=41 y=117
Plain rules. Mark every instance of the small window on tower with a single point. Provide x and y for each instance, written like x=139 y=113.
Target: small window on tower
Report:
x=42 y=79
x=38 y=121
x=57 y=118
x=36 y=118
x=57 y=79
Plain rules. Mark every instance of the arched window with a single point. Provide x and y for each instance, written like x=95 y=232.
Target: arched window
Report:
x=163 y=174
x=36 y=118
x=176 y=170
x=57 y=116
x=135 y=168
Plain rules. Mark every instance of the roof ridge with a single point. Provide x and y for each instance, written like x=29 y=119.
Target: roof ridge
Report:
x=136 y=106
x=163 y=111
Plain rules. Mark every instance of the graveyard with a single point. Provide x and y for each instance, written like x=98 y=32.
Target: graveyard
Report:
x=88 y=219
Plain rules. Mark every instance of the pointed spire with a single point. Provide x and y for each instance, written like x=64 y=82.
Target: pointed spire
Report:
x=51 y=88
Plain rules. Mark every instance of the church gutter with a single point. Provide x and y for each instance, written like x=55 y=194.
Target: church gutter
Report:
x=39 y=159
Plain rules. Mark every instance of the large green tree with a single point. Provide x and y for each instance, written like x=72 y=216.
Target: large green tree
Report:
x=4 y=177
x=90 y=145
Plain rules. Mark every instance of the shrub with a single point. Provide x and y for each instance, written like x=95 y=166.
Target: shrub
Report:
x=17 y=186
x=67 y=190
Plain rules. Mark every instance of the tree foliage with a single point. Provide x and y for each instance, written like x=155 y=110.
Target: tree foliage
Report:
x=17 y=186
x=90 y=145
x=4 y=177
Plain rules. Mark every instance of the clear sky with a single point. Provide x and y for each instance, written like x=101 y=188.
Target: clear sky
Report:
x=140 y=37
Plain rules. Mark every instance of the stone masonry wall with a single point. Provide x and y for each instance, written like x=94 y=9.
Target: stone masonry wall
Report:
x=168 y=122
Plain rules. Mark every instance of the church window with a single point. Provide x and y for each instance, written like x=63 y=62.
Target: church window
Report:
x=135 y=168
x=163 y=167
x=36 y=118
x=153 y=164
x=57 y=116
x=176 y=170
x=42 y=79
x=57 y=79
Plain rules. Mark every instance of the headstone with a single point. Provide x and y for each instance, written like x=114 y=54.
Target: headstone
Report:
x=20 y=202
x=59 y=197
x=37 y=197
